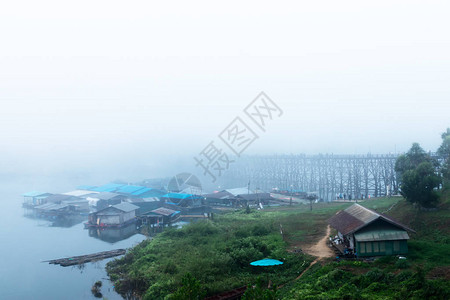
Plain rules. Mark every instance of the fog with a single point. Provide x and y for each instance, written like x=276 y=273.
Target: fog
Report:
x=105 y=90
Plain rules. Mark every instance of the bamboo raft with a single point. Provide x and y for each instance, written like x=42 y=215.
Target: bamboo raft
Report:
x=78 y=260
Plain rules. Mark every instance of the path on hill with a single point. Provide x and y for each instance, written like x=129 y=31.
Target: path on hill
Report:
x=320 y=250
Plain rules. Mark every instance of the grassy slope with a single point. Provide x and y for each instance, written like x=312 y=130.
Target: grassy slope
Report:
x=388 y=277
x=218 y=253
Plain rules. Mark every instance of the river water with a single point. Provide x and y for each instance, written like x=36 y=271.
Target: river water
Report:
x=26 y=242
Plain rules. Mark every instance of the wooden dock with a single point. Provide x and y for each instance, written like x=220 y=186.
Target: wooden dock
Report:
x=78 y=260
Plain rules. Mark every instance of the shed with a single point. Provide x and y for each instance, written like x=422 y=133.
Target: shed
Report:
x=105 y=199
x=34 y=198
x=129 y=189
x=148 y=193
x=369 y=233
x=115 y=215
x=110 y=187
x=160 y=216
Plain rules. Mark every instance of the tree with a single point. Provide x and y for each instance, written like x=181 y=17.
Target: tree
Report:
x=311 y=198
x=417 y=175
x=444 y=152
x=191 y=289
x=259 y=292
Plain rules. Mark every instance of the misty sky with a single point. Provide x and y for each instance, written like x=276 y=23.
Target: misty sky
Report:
x=97 y=84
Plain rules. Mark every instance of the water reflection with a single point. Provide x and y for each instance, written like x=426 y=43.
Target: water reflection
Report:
x=65 y=221
x=113 y=235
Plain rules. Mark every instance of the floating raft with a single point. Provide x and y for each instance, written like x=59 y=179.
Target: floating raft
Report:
x=78 y=260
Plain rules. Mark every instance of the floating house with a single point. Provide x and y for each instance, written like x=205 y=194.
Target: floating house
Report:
x=256 y=198
x=104 y=199
x=219 y=198
x=81 y=193
x=148 y=193
x=160 y=216
x=113 y=216
x=34 y=198
x=129 y=189
x=368 y=233
x=181 y=199
x=110 y=187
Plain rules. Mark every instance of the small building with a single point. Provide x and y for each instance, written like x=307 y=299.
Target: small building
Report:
x=182 y=199
x=116 y=216
x=34 y=198
x=160 y=216
x=104 y=199
x=219 y=198
x=110 y=187
x=148 y=193
x=81 y=193
x=368 y=233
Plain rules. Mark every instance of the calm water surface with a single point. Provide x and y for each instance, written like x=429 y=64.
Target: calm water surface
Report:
x=26 y=242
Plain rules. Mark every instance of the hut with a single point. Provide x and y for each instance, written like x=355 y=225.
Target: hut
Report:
x=113 y=216
x=368 y=233
x=160 y=216
x=34 y=198
x=104 y=199
x=182 y=199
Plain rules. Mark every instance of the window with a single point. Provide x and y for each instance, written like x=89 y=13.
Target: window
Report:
x=375 y=247
x=382 y=246
x=362 y=248
x=396 y=246
x=368 y=247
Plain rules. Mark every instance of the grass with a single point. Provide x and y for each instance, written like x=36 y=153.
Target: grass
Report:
x=218 y=253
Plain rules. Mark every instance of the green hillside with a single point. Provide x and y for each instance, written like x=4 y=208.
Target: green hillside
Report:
x=218 y=252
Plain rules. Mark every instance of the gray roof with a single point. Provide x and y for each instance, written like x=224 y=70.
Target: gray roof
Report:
x=356 y=217
x=60 y=197
x=239 y=191
x=381 y=235
x=106 y=196
x=125 y=206
x=164 y=211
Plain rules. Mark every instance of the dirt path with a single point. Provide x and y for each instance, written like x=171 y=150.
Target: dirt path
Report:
x=320 y=250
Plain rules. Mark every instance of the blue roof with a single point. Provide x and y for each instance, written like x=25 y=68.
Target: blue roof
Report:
x=179 y=196
x=86 y=187
x=148 y=192
x=128 y=189
x=110 y=187
x=34 y=194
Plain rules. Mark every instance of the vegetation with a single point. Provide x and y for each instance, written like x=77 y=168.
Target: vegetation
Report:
x=207 y=258
x=418 y=179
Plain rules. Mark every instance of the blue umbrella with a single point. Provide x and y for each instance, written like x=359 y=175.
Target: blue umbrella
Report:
x=266 y=262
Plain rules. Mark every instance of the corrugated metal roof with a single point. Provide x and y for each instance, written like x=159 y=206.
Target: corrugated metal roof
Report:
x=79 y=193
x=86 y=187
x=125 y=206
x=60 y=197
x=239 y=191
x=34 y=194
x=179 y=196
x=381 y=235
x=148 y=192
x=105 y=196
x=110 y=187
x=356 y=217
x=258 y=196
x=128 y=189
x=219 y=195
x=164 y=211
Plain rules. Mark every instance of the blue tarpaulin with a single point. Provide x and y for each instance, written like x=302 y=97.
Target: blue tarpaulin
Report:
x=266 y=262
